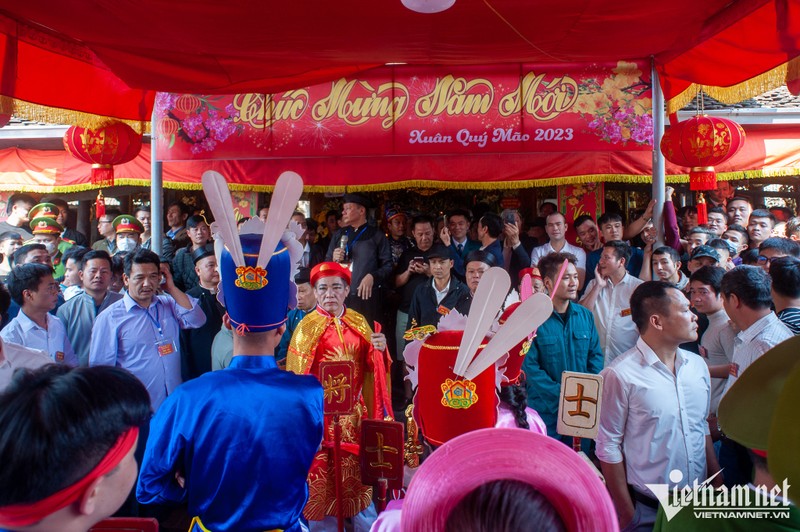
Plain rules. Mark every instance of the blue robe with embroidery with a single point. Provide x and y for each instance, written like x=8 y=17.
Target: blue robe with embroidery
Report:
x=243 y=439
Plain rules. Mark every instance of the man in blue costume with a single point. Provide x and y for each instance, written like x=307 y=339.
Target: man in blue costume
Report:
x=219 y=443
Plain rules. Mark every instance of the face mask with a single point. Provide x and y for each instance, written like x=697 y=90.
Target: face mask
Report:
x=127 y=245
x=51 y=248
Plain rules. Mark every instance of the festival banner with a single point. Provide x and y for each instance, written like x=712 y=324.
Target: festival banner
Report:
x=579 y=199
x=420 y=110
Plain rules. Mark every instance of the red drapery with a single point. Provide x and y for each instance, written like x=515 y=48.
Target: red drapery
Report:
x=769 y=151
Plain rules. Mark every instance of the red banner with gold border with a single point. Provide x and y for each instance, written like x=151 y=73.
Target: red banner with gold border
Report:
x=404 y=110
x=579 y=199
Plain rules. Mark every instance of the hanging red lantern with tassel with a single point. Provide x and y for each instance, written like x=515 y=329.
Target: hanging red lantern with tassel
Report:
x=103 y=147
x=700 y=143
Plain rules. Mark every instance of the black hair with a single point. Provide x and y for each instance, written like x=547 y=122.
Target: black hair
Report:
x=621 y=249
x=749 y=257
x=709 y=276
x=739 y=229
x=763 y=213
x=550 y=203
x=461 y=212
x=608 y=217
x=719 y=243
x=480 y=256
x=669 y=251
x=719 y=210
x=10 y=235
x=118 y=263
x=422 y=219
x=194 y=221
x=493 y=224
x=58 y=202
x=141 y=208
x=782 y=245
x=141 y=256
x=312 y=224
x=181 y=205
x=18 y=198
x=580 y=220
x=332 y=212
x=556 y=213
x=96 y=254
x=57 y=423
x=650 y=297
x=740 y=198
x=21 y=254
x=5 y=300
x=785 y=273
x=750 y=284
x=515 y=397
x=504 y=505
x=26 y=277
x=112 y=213
x=75 y=253
x=687 y=209
x=699 y=229
x=550 y=264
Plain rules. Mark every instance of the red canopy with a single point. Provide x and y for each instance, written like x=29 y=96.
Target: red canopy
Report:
x=105 y=57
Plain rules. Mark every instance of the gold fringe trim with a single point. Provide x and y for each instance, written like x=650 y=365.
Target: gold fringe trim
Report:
x=56 y=115
x=421 y=183
x=760 y=84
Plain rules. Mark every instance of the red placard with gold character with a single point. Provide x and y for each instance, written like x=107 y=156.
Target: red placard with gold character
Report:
x=580 y=199
x=382 y=448
x=337 y=386
x=419 y=110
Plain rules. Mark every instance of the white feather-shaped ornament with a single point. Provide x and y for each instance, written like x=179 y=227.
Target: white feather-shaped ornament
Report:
x=489 y=296
x=288 y=190
x=219 y=200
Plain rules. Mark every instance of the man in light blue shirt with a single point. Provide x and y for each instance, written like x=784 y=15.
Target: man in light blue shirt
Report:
x=79 y=313
x=34 y=289
x=140 y=332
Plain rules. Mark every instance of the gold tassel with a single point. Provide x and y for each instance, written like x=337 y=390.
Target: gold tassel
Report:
x=55 y=115
x=760 y=84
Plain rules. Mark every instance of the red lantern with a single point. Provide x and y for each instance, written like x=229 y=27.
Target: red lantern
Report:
x=700 y=143
x=103 y=147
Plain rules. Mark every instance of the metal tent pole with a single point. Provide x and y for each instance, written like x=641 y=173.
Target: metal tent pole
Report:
x=156 y=192
x=659 y=181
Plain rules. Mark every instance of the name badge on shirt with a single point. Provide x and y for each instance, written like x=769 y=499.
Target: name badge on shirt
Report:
x=59 y=356
x=444 y=311
x=165 y=347
x=734 y=370
x=625 y=312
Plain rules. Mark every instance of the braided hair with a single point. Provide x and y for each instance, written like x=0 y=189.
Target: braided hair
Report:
x=515 y=397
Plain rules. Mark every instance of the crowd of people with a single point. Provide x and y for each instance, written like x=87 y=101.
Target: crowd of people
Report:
x=669 y=325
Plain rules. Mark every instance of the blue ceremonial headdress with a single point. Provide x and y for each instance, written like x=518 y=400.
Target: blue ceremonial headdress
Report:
x=258 y=263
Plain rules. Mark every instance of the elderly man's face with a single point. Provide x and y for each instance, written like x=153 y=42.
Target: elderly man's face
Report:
x=474 y=272
x=331 y=293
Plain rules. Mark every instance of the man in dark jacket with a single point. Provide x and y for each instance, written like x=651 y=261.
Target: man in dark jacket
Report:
x=440 y=295
x=366 y=252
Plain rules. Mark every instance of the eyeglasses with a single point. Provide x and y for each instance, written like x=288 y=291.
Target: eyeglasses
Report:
x=765 y=260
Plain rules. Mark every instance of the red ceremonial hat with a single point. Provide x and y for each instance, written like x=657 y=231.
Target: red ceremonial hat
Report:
x=471 y=460
x=533 y=272
x=329 y=269
x=446 y=405
x=513 y=364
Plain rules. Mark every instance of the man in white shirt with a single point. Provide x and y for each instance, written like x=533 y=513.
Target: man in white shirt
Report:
x=746 y=296
x=656 y=396
x=556 y=229
x=608 y=296
x=34 y=289
x=716 y=343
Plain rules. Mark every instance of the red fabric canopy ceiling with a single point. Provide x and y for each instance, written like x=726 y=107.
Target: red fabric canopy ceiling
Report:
x=105 y=56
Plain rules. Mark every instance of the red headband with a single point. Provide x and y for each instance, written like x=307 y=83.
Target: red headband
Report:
x=27 y=514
